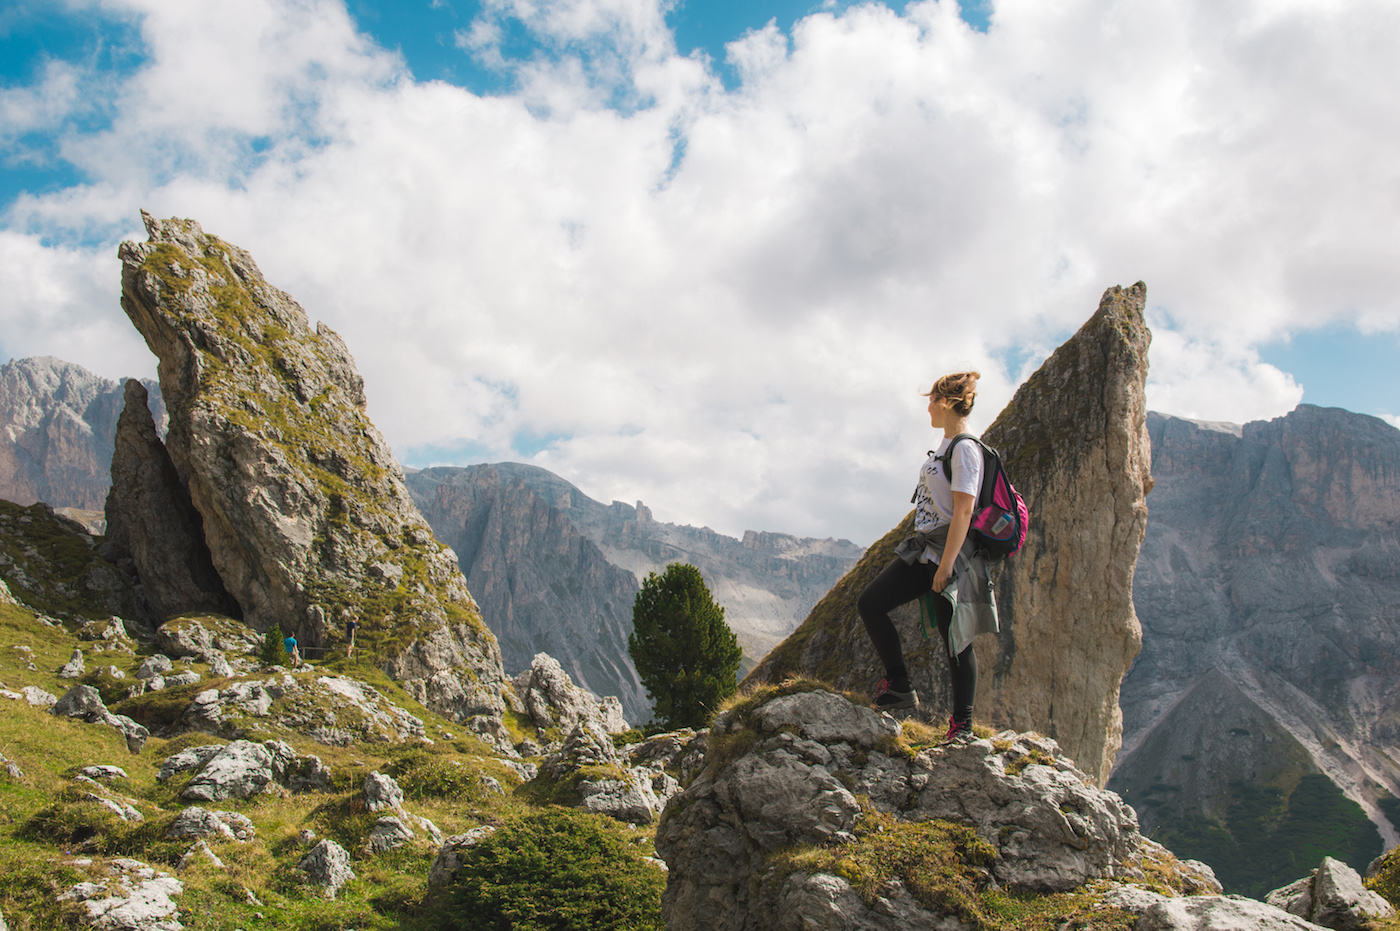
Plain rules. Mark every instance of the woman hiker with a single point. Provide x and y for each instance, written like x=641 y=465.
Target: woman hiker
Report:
x=937 y=563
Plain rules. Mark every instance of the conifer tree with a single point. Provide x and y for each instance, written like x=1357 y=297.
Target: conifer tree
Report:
x=686 y=655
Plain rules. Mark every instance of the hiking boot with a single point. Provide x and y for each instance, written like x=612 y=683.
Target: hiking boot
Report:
x=958 y=732
x=888 y=699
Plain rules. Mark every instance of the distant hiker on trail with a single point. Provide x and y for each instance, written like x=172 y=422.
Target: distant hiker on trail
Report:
x=350 y=626
x=954 y=590
x=290 y=642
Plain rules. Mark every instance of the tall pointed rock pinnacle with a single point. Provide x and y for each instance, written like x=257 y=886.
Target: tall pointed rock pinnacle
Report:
x=1074 y=441
x=303 y=505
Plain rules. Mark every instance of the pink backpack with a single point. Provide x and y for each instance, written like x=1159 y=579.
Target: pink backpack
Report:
x=999 y=517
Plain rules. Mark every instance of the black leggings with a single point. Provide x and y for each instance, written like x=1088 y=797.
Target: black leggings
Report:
x=899 y=584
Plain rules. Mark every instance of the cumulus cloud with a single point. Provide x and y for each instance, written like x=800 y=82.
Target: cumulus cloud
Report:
x=724 y=302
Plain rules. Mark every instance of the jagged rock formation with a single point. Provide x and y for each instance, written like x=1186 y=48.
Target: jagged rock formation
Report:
x=1271 y=570
x=303 y=506
x=151 y=522
x=784 y=772
x=1074 y=442
x=57 y=421
x=555 y=571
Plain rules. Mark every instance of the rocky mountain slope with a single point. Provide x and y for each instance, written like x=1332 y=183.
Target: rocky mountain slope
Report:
x=57 y=421
x=556 y=571
x=1075 y=445
x=1269 y=592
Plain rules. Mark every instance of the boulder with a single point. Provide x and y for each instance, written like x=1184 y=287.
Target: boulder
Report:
x=206 y=635
x=790 y=775
x=327 y=866
x=157 y=665
x=382 y=792
x=73 y=669
x=1074 y=441
x=387 y=833
x=241 y=769
x=1203 y=912
x=84 y=701
x=551 y=699
x=103 y=772
x=128 y=896
x=332 y=710
x=630 y=799
x=1332 y=896
x=151 y=521
x=37 y=697
x=186 y=760
x=195 y=821
x=302 y=503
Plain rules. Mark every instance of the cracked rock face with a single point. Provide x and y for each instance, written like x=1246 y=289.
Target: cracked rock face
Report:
x=809 y=755
x=1074 y=442
x=303 y=506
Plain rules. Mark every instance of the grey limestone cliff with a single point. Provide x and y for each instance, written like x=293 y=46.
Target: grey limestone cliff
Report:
x=1075 y=444
x=57 y=422
x=543 y=587
x=1271 y=568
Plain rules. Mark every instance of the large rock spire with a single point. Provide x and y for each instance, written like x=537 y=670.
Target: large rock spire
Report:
x=1074 y=441
x=303 y=505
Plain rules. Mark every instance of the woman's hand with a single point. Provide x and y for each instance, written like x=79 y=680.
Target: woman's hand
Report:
x=957 y=533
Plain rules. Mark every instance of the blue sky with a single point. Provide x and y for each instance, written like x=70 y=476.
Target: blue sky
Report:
x=706 y=253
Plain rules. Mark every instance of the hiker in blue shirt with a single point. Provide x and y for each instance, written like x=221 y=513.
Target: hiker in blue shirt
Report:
x=944 y=503
x=290 y=642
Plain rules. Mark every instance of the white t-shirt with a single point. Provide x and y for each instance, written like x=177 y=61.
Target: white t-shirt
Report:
x=933 y=499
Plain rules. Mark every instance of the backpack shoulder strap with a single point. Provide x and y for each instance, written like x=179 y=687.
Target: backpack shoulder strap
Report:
x=947 y=457
x=991 y=464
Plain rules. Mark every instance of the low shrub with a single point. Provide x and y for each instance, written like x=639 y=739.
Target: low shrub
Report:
x=555 y=870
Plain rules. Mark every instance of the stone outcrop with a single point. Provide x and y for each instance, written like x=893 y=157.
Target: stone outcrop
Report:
x=127 y=895
x=302 y=504
x=1203 y=913
x=151 y=521
x=84 y=702
x=787 y=772
x=333 y=710
x=555 y=571
x=243 y=769
x=327 y=866
x=1332 y=896
x=57 y=421
x=552 y=700
x=1270 y=570
x=1075 y=443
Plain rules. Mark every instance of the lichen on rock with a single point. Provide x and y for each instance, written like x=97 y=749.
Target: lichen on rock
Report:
x=303 y=505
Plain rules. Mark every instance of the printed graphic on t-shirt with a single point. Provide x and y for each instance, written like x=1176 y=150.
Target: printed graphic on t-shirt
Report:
x=933 y=498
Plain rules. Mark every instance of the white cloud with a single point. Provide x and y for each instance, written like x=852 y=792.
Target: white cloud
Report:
x=724 y=303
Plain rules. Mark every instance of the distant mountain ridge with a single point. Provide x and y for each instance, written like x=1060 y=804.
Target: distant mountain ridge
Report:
x=553 y=570
x=556 y=571
x=57 y=421
x=1268 y=588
